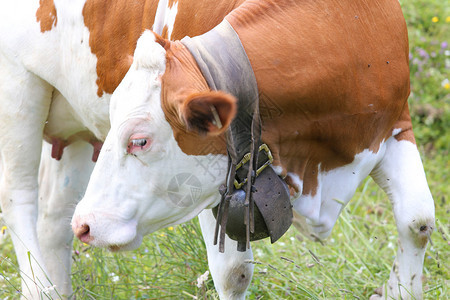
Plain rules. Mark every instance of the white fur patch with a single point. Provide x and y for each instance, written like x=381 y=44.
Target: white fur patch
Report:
x=396 y=131
x=297 y=184
x=165 y=16
x=335 y=189
x=278 y=169
x=149 y=54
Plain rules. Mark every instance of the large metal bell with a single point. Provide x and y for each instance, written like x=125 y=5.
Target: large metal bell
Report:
x=272 y=211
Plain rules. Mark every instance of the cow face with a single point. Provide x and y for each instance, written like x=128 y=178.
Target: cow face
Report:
x=143 y=180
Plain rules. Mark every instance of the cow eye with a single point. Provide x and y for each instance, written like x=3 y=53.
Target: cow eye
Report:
x=139 y=142
x=136 y=144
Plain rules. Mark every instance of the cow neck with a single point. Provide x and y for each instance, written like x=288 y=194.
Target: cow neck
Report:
x=225 y=67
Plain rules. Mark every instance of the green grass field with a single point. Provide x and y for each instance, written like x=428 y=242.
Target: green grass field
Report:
x=352 y=262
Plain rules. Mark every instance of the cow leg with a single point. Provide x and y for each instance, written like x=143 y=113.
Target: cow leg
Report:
x=61 y=185
x=230 y=271
x=24 y=105
x=400 y=174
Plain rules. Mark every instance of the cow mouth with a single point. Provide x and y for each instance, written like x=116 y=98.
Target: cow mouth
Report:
x=114 y=248
x=132 y=245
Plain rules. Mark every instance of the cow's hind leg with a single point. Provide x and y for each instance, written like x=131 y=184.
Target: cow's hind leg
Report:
x=400 y=174
x=61 y=185
x=230 y=270
x=24 y=105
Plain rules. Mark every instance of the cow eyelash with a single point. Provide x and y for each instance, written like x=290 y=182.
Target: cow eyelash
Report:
x=139 y=142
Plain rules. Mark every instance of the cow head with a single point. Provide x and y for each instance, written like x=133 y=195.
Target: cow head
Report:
x=163 y=159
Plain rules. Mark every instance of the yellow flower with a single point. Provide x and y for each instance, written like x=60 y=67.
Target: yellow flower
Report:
x=435 y=19
x=170 y=228
x=447 y=86
x=162 y=235
x=3 y=231
x=447 y=20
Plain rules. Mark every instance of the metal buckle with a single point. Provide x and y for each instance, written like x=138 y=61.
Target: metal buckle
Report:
x=246 y=159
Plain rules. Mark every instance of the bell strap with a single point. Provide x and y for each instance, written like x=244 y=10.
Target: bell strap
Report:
x=224 y=64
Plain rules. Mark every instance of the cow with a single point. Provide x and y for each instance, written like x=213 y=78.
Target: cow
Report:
x=333 y=84
x=60 y=61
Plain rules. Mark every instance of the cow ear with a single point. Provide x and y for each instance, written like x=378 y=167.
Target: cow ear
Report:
x=209 y=112
x=162 y=41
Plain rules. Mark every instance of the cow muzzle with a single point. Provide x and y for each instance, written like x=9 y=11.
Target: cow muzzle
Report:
x=100 y=230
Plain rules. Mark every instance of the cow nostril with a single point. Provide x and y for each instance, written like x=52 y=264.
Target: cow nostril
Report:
x=82 y=232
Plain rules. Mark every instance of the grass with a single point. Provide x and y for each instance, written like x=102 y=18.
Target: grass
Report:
x=351 y=264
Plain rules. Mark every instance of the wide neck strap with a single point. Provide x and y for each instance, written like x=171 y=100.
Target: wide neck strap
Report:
x=224 y=64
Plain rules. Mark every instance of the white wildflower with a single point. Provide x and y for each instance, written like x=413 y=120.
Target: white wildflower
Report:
x=3 y=277
x=202 y=279
x=114 y=277
x=259 y=252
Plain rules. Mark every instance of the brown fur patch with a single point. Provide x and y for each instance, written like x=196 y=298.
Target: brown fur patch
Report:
x=200 y=16
x=165 y=32
x=332 y=88
x=46 y=15
x=115 y=27
x=172 y=2
x=404 y=123
x=333 y=105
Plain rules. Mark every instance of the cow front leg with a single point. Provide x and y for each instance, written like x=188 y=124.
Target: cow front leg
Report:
x=24 y=105
x=230 y=270
x=400 y=174
x=61 y=186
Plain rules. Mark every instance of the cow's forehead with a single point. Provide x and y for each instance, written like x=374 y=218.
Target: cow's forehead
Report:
x=138 y=95
x=149 y=55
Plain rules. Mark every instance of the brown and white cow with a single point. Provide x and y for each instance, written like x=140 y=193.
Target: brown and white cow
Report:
x=60 y=61
x=333 y=80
